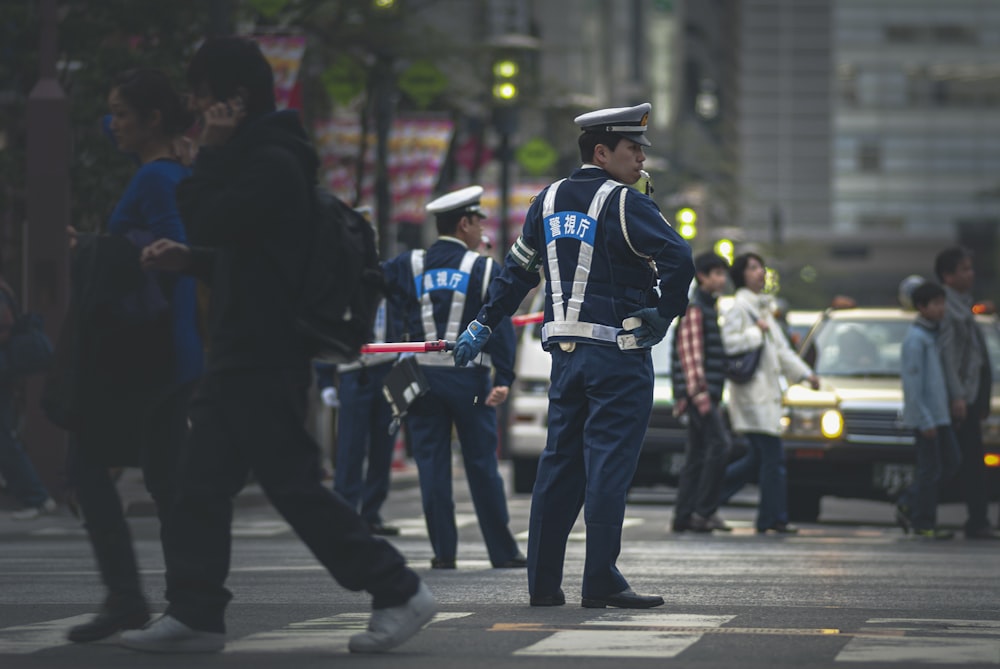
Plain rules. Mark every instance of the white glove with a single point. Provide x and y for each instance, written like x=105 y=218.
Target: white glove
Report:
x=330 y=398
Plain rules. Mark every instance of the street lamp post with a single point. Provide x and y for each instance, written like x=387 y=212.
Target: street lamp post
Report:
x=45 y=283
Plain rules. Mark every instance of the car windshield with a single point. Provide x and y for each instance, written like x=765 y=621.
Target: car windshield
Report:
x=871 y=348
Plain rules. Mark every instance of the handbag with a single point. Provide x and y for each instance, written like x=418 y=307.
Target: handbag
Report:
x=404 y=383
x=740 y=367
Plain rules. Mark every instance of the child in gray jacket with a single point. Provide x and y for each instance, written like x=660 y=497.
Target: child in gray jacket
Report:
x=925 y=409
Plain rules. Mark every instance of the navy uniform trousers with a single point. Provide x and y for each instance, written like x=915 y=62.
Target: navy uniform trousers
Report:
x=458 y=396
x=254 y=420
x=363 y=430
x=599 y=404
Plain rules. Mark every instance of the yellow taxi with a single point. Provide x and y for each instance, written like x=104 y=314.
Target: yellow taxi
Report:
x=847 y=438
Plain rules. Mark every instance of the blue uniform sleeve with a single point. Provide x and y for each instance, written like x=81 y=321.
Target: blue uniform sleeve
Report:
x=510 y=286
x=651 y=234
x=399 y=293
x=501 y=347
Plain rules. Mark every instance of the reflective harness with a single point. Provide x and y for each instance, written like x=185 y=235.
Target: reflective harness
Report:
x=457 y=282
x=582 y=227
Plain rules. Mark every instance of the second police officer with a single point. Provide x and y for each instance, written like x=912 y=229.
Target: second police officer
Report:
x=441 y=290
x=603 y=248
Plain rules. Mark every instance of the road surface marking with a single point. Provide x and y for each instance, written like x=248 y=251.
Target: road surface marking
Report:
x=627 y=634
x=319 y=634
x=919 y=641
x=580 y=534
x=23 y=639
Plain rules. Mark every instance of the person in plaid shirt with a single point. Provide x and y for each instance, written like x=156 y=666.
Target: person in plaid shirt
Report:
x=698 y=380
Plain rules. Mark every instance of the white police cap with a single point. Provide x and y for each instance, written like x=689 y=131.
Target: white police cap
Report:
x=629 y=122
x=464 y=200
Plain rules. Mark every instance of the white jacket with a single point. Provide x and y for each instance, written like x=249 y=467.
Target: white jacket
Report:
x=756 y=406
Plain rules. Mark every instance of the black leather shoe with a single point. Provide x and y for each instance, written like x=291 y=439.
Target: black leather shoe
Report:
x=557 y=599
x=516 y=562
x=779 y=528
x=384 y=530
x=626 y=599
x=108 y=622
x=443 y=563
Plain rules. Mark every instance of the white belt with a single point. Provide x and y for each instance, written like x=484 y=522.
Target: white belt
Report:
x=368 y=360
x=438 y=359
x=579 y=329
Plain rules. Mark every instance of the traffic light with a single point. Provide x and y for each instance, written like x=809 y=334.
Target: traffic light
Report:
x=686 y=219
x=505 y=79
x=726 y=249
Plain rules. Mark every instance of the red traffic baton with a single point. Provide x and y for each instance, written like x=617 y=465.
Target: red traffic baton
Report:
x=409 y=347
x=528 y=319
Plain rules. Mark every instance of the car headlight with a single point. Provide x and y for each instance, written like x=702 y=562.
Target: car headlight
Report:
x=814 y=423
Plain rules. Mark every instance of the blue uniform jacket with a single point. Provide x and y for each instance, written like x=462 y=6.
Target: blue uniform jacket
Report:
x=447 y=252
x=620 y=281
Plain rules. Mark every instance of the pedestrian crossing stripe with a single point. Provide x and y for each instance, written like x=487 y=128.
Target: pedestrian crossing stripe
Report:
x=318 y=634
x=613 y=633
x=33 y=637
x=626 y=634
x=922 y=641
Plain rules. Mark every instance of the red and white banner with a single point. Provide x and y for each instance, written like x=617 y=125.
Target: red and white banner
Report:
x=284 y=53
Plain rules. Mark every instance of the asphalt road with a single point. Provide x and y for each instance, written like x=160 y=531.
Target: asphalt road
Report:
x=850 y=591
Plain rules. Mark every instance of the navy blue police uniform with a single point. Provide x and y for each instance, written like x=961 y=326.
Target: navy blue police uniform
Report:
x=444 y=289
x=364 y=427
x=603 y=247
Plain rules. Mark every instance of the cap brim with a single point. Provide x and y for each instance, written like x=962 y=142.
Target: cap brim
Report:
x=638 y=138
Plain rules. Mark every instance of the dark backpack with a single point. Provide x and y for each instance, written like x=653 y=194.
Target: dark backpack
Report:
x=344 y=282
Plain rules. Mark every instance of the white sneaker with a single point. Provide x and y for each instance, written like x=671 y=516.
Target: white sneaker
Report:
x=32 y=512
x=166 y=634
x=390 y=627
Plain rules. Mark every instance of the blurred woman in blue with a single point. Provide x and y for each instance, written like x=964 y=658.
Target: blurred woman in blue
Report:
x=161 y=336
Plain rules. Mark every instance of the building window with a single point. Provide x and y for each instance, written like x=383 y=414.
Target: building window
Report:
x=945 y=33
x=869 y=157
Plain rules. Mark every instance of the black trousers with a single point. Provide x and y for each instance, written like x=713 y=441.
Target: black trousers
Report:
x=101 y=506
x=972 y=471
x=254 y=420
x=706 y=454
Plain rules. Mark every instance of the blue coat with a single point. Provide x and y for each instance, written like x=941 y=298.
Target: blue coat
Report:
x=405 y=291
x=624 y=270
x=925 y=394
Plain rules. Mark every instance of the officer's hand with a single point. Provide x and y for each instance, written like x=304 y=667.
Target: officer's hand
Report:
x=497 y=396
x=471 y=342
x=330 y=397
x=653 y=328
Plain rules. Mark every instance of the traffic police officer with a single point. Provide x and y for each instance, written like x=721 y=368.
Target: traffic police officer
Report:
x=364 y=425
x=603 y=247
x=442 y=290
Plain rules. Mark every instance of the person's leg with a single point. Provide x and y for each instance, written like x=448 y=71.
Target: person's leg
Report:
x=476 y=425
x=15 y=466
x=922 y=501
x=429 y=423
x=124 y=606
x=619 y=397
x=716 y=445
x=972 y=474
x=353 y=420
x=560 y=484
x=773 y=508
x=739 y=473
x=687 y=486
x=285 y=460
x=380 y=446
x=212 y=470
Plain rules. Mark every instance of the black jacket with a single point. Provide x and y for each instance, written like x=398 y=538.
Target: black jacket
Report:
x=114 y=354
x=248 y=210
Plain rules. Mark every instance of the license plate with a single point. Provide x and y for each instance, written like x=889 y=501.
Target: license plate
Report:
x=892 y=478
